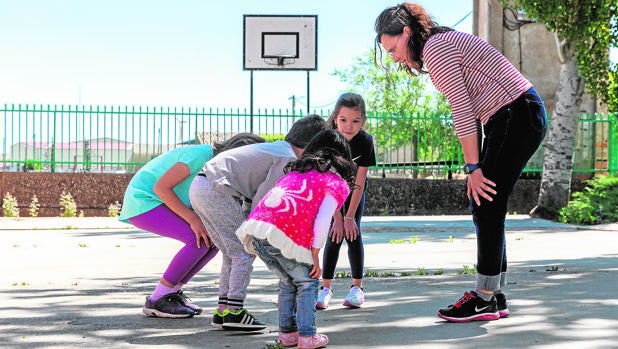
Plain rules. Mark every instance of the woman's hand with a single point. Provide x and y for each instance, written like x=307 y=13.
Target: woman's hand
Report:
x=480 y=186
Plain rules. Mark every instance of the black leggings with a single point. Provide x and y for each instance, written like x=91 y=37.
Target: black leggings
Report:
x=356 y=250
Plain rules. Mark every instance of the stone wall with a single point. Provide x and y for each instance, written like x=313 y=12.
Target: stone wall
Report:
x=94 y=193
x=413 y=197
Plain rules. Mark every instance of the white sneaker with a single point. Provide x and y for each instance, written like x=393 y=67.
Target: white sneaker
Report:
x=355 y=297
x=324 y=297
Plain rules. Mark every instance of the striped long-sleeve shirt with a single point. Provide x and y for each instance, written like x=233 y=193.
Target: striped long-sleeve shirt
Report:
x=476 y=79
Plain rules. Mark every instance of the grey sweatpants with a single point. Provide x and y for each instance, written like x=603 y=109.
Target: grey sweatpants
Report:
x=222 y=214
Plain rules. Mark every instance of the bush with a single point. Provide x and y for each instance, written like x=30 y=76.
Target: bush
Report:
x=113 y=210
x=273 y=137
x=9 y=206
x=33 y=209
x=596 y=204
x=67 y=203
x=32 y=165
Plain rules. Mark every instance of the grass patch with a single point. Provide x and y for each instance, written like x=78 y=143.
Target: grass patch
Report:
x=277 y=345
x=410 y=240
x=467 y=270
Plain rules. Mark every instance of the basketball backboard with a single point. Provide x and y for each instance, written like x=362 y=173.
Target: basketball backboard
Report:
x=280 y=42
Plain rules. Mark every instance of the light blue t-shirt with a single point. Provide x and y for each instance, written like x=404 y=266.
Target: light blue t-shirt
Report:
x=140 y=197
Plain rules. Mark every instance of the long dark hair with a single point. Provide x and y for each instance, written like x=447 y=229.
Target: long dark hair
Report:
x=392 y=21
x=325 y=151
x=238 y=140
x=350 y=100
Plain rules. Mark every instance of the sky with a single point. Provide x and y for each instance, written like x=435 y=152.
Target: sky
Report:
x=185 y=53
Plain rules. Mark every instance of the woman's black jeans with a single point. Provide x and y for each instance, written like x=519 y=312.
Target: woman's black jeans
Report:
x=511 y=136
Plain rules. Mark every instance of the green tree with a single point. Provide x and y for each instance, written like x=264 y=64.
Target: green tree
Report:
x=409 y=106
x=585 y=30
x=612 y=101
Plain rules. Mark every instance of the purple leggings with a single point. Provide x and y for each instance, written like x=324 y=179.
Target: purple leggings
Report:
x=190 y=259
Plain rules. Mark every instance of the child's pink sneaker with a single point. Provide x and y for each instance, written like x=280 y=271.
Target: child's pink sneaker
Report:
x=288 y=339
x=312 y=342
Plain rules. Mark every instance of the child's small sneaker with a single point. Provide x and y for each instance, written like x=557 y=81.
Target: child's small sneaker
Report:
x=312 y=342
x=242 y=320
x=168 y=306
x=288 y=339
x=503 y=310
x=324 y=297
x=471 y=307
x=186 y=301
x=355 y=297
x=217 y=318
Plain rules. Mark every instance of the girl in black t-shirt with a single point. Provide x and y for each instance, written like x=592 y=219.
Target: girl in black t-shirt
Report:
x=348 y=118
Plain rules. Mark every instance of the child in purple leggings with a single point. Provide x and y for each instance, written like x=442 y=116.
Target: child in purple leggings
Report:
x=157 y=200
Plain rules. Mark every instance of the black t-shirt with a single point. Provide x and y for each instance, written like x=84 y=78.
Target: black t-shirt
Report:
x=362 y=149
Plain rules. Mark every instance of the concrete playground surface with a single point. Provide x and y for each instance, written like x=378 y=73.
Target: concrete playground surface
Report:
x=81 y=283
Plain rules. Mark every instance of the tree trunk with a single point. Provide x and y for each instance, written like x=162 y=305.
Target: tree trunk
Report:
x=555 y=187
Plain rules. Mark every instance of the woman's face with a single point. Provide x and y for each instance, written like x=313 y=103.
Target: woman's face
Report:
x=396 y=46
x=349 y=122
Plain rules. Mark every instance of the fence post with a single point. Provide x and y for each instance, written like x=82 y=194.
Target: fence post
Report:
x=612 y=144
x=54 y=128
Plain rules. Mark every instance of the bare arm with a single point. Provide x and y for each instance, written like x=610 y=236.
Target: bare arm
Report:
x=336 y=232
x=351 y=229
x=164 y=190
x=316 y=271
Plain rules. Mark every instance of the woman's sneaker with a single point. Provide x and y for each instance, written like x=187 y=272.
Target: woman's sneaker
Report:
x=355 y=297
x=503 y=310
x=324 y=297
x=242 y=320
x=217 y=318
x=169 y=306
x=312 y=342
x=186 y=301
x=288 y=339
x=471 y=307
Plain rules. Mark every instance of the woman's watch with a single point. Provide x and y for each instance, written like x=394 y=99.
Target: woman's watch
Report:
x=469 y=168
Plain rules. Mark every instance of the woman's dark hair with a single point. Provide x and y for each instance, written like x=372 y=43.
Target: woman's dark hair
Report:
x=325 y=151
x=350 y=100
x=392 y=21
x=238 y=140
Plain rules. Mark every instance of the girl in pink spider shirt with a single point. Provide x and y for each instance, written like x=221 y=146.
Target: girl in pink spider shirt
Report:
x=290 y=225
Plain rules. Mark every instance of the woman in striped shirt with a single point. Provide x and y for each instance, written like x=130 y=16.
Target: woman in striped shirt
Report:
x=499 y=119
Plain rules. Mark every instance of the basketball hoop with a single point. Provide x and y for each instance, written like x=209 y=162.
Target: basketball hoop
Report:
x=279 y=60
x=280 y=42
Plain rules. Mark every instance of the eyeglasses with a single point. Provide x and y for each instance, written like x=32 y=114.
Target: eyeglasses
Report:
x=392 y=50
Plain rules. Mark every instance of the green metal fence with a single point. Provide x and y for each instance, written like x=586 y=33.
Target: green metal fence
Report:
x=104 y=139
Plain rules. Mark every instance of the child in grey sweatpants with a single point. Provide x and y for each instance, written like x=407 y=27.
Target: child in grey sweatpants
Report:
x=217 y=194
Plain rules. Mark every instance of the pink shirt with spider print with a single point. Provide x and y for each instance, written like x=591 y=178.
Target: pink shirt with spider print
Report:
x=285 y=216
